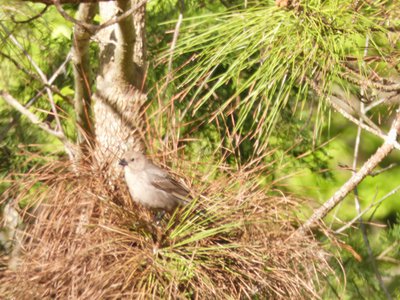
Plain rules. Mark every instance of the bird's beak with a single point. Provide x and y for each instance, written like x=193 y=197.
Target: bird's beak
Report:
x=123 y=162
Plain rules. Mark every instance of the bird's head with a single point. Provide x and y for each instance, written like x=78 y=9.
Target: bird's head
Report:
x=134 y=160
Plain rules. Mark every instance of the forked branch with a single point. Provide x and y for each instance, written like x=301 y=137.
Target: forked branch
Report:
x=35 y=120
x=382 y=152
x=95 y=28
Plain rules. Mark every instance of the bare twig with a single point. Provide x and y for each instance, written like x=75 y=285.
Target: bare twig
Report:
x=40 y=73
x=173 y=45
x=362 y=81
x=53 y=88
x=381 y=100
x=35 y=120
x=18 y=65
x=349 y=224
x=365 y=170
x=355 y=159
x=377 y=172
x=95 y=28
x=60 y=69
x=356 y=198
x=31 y=116
x=31 y=18
x=387 y=250
x=351 y=118
x=31 y=101
x=364 y=126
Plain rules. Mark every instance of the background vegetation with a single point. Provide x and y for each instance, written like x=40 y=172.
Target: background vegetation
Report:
x=245 y=103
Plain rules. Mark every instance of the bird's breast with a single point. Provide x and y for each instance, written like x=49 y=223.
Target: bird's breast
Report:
x=143 y=192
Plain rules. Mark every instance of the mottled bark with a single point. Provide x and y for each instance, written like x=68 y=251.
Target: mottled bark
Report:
x=120 y=81
x=82 y=77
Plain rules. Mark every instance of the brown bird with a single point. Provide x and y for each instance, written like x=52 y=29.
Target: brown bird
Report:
x=152 y=186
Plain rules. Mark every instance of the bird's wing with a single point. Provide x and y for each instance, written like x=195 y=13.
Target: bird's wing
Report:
x=168 y=184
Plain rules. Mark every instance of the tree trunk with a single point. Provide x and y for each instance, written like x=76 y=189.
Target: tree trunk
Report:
x=120 y=82
x=82 y=77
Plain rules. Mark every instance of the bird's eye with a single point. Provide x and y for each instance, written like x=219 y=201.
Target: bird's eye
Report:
x=132 y=159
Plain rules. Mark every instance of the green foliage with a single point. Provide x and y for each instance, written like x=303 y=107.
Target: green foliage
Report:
x=320 y=186
x=207 y=126
x=46 y=41
x=242 y=88
x=360 y=276
x=265 y=53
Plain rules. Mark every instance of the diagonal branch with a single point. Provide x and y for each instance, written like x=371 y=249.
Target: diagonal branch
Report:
x=31 y=18
x=41 y=74
x=364 y=126
x=356 y=78
x=356 y=194
x=35 y=120
x=38 y=94
x=173 y=45
x=350 y=117
x=365 y=170
x=31 y=116
x=95 y=28
x=377 y=203
x=53 y=77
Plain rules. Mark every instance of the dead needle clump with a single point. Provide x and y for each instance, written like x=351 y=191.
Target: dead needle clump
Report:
x=85 y=240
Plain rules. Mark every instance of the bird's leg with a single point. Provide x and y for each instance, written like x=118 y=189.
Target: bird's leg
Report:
x=159 y=215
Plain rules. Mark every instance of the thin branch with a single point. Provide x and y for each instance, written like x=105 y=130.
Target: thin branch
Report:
x=31 y=116
x=40 y=73
x=348 y=116
x=18 y=65
x=377 y=172
x=365 y=170
x=19 y=46
x=95 y=28
x=90 y=27
x=31 y=18
x=173 y=46
x=356 y=198
x=374 y=131
x=31 y=101
x=387 y=250
x=35 y=120
x=126 y=14
x=59 y=70
x=355 y=159
x=374 y=104
x=349 y=224
x=362 y=81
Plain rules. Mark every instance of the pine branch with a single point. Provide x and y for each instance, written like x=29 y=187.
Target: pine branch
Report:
x=365 y=170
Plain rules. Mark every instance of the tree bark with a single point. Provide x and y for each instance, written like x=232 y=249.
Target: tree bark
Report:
x=120 y=82
x=82 y=78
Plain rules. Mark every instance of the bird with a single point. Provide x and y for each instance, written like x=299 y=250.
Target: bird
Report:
x=152 y=186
